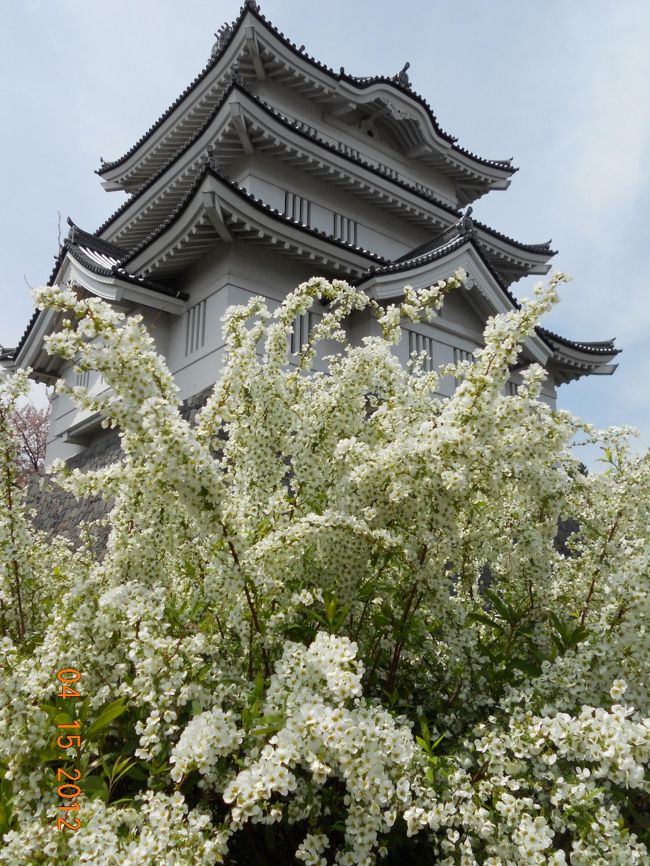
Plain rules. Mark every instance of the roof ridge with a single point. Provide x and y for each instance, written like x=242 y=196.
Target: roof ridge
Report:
x=605 y=347
x=211 y=168
x=360 y=83
x=284 y=119
x=402 y=265
x=541 y=248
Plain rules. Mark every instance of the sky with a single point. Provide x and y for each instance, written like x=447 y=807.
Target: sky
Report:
x=560 y=85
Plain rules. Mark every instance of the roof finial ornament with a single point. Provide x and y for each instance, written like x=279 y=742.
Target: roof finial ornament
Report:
x=402 y=77
x=212 y=162
x=252 y=5
x=71 y=231
x=223 y=34
x=466 y=223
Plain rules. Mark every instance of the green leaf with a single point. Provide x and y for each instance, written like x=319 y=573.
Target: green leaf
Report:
x=499 y=605
x=83 y=712
x=486 y=620
x=559 y=643
x=437 y=742
x=138 y=773
x=527 y=666
x=47 y=756
x=108 y=715
x=95 y=788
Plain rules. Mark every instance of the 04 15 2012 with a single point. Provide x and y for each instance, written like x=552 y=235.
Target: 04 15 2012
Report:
x=68 y=790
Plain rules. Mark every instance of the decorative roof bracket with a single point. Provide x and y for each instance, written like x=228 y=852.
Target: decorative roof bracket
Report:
x=254 y=51
x=239 y=123
x=215 y=214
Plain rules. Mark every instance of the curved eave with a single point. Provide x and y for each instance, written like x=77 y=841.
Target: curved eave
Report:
x=485 y=292
x=253 y=34
x=217 y=210
x=573 y=359
x=13 y=360
x=510 y=259
x=513 y=258
x=567 y=368
x=242 y=122
x=77 y=269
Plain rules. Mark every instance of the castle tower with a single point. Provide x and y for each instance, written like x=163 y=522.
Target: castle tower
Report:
x=268 y=169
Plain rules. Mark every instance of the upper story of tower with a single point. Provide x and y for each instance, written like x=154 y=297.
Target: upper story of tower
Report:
x=270 y=168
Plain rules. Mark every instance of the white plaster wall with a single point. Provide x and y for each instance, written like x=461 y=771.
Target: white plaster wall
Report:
x=336 y=130
x=377 y=231
x=64 y=412
x=229 y=276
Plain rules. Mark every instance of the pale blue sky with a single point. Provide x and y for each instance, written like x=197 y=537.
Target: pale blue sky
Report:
x=561 y=85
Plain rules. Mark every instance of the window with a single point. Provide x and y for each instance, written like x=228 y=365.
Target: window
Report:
x=345 y=229
x=418 y=343
x=195 y=328
x=461 y=355
x=298 y=208
x=83 y=379
x=302 y=328
x=512 y=389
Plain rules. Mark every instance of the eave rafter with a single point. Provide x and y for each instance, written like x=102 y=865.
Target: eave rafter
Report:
x=258 y=50
x=484 y=292
x=216 y=210
x=243 y=122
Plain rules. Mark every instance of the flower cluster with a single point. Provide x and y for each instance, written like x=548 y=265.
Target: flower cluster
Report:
x=333 y=612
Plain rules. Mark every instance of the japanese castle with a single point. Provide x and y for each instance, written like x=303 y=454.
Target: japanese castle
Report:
x=268 y=169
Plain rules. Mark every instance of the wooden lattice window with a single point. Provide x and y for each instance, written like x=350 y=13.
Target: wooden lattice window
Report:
x=345 y=229
x=461 y=355
x=302 y=328
x=419 y=343
x=195 y=328
x=297 y=207
x=512 y=389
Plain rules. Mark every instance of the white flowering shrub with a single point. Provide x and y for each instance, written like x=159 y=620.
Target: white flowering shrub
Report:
x=332 y=623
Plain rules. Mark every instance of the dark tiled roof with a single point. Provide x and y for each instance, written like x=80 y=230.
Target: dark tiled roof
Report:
x=183 y=148
x=81 y=245
x=258 y=203
x=415 y=259
x=466 y=228
x=26 y=333
x=81 y=255
x=543 y=249
x=295 y=127
x=602 y=347
x=384 y=173
x=422 y=256
x=410 y=262
x=369 y=81
x=361 y=83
